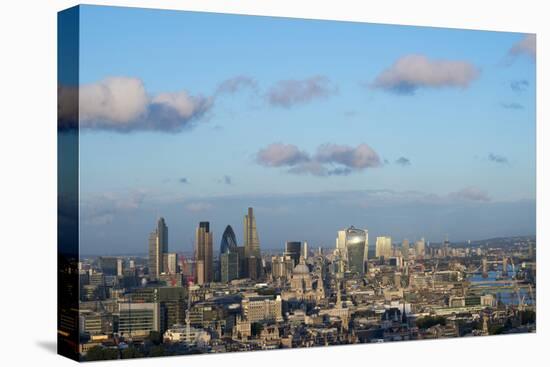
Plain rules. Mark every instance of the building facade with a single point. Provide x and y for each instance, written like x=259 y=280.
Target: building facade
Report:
x=353 y=245
x=293 y=249
x=383 y=247
x=203 y=254
x=251 y=239
x=158 y=246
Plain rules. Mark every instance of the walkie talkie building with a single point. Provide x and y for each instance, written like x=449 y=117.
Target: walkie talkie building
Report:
x=353 y=243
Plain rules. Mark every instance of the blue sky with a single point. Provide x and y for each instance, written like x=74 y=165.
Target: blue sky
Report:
x=202 y=115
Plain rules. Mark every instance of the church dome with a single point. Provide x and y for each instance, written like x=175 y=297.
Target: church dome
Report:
x=301 y=268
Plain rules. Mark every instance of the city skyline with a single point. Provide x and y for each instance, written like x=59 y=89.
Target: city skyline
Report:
x=327 y=242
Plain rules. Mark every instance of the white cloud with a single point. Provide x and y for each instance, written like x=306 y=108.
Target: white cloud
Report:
x=122 y=104
x=411 y=72
x=329 y=160
x=278 y=154
x=114 y=100
x=362 y=156
x=184 y=104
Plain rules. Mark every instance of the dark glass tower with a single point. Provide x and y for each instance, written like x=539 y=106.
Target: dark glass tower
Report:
x=229 y=241
x=229 y=256
x=293 y=249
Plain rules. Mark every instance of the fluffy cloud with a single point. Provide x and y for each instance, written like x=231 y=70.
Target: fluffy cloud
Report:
x=122 y=104
x=287 y=93
x=471 y=194
x=412 y=72
x=278 y=154
x=402 y=161
x=526 y=46
x=115 y=100
x=497 y=158
x=329 y=160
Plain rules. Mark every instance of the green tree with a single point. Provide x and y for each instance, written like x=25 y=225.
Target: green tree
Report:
x=429 y=321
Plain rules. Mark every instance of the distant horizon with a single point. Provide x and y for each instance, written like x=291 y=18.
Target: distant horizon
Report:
x=474 y=242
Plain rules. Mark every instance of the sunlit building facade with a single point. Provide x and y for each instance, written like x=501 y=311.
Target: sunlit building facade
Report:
x=383 y=247
x=158 y=246
x=203 y=254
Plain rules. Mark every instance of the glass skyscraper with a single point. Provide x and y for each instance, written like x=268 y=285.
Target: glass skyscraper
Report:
x=353 y=244
x=229 y=241
x=294 y=250
x=229 y=256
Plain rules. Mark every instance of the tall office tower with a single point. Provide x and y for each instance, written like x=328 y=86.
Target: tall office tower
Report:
x=353 y=245
x=293 y=250
x=242 y=262
x=158 y=246
x=305 y=250
x=203 y=253
x=405 y=249
x=229 y=266
x=420 y=247
x=251 y=240
x=170 y=263
x=383 y=247
x=229 y=256
x=119 y=267
x=341 y=241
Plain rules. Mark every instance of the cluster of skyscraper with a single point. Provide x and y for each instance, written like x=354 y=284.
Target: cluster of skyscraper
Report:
x=235 y=261
x=352 y=249
x=351 y=253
